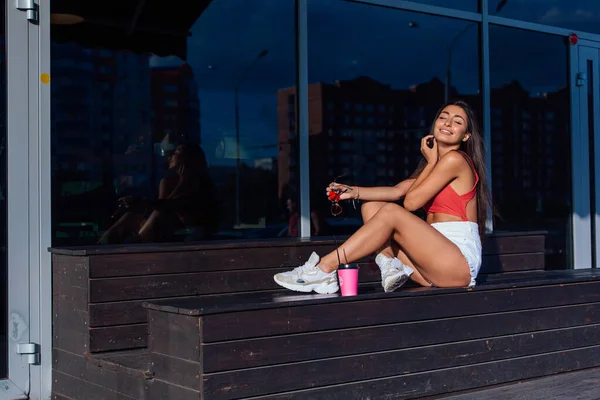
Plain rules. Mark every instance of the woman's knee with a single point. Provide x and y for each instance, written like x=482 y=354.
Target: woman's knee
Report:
x=390 y=208
x=370 y=208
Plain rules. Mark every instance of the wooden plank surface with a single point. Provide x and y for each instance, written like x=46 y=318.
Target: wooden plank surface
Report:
x=438 y=382
x=245 y=258
x=201 y=283
x=296 y=348
x=343 y=370
x=349 y=314
x=118 y=337
x=174 y=335
x=70 y=319
x=580 y=385
x=231 y=244
x=285 y=298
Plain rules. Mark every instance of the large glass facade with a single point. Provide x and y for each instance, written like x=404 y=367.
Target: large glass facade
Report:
x=3 y=216
x=181 y=127
x=531 y=135
x=167 y=123
x=373 y=93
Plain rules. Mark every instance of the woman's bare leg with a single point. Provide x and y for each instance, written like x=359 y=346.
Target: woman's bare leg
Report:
x=444 y=267
x=368 y=211
x=146 y=232
x=126 y=225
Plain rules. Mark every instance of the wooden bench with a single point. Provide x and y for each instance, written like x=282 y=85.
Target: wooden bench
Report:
x=98 y=292
x=408 y=344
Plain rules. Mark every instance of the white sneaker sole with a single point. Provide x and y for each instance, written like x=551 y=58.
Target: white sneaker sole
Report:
x=320 y=288
x=394 y=282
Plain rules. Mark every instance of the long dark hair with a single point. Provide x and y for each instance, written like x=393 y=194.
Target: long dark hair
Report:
x=474 y=148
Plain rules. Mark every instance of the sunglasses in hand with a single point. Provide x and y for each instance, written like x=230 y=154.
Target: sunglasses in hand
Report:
x=335 y=195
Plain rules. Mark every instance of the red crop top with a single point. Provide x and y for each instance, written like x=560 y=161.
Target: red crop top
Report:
x=448 y=201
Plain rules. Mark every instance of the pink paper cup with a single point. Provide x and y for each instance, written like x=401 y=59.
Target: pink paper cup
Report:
x=348 y=279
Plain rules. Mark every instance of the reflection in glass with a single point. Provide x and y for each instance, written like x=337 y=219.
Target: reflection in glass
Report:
x=165 y=124
x=465 y=5
x=3 y=216
x=373 y=93
x=578 y=15
x=530 y=136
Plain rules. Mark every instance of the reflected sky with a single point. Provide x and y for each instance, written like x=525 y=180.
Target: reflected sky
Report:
x=579 y=15
x=347 y=40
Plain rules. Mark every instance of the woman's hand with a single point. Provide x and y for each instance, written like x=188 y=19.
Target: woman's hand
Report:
x=346 y=192
x=430 y=154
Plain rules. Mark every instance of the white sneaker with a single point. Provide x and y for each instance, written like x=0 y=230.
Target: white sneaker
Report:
x=308 y=277
x=393 y=273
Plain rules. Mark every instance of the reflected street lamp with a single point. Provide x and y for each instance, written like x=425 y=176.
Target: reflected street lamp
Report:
x=237 y=131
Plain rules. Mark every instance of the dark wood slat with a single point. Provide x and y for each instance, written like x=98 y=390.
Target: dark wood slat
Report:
x=348 y=314
x=200 y=261
x=75 y=388
x=224 y=356
x=229 y=244
x=116 y=378
x=285 y=298
x=160 y=390
x=339 y=370
x=207 y=260
x=177 y=285
x=514 y=244
x=580 y=385
x=454 y=379
x=179 y=372
x=118 y=337
x=494 y=264
x=121 y=336
x=141 y=287
x=174 y=335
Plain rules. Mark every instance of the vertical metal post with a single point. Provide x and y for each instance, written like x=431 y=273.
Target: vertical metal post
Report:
x=303 y=117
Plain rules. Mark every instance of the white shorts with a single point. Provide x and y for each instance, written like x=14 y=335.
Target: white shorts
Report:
x=465 y=235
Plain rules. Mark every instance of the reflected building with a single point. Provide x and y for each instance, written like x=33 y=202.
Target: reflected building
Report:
x=175 y=104
x=101 y=125
x=372 y=133
x=361 y=128
x=529 y=140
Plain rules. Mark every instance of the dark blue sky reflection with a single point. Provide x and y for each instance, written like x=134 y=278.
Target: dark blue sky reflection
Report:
x=347 y=40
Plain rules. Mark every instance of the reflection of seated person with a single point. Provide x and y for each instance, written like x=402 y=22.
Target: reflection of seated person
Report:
x=185 y=200
x=317 y=227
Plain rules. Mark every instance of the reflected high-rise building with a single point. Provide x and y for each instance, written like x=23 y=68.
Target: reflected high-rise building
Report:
x=100 y=125
x=529 y=140
x=361 y=128
x=372 y=133
x=102 y=104
x=175 y=104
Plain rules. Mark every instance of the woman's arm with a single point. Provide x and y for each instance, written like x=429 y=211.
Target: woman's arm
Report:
x=377 y=193
x=384 y=193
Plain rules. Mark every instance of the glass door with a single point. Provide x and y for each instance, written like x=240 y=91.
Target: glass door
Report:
x=586 y=153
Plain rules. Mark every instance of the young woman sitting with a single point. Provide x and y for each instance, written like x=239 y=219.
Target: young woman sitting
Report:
x=445 y=249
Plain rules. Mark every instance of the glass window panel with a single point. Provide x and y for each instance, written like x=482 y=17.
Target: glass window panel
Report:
x=529 y=95
x=3 y=217
x=386 y=59
x=578 y=15
x=133 y=91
